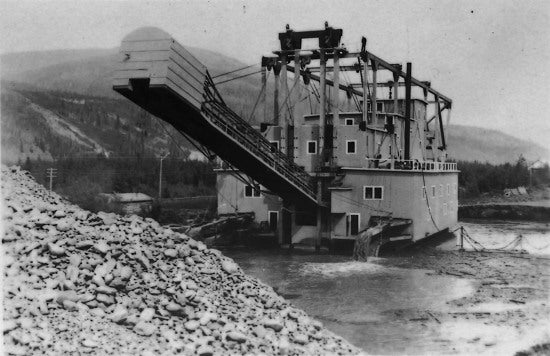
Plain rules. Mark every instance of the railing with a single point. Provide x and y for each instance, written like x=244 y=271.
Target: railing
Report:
x=410 y=165
x=234 y=126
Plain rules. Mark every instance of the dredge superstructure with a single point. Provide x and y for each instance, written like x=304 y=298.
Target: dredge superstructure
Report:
x=350 y=139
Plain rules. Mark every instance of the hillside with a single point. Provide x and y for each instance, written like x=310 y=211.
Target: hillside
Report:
x=61 y=102
x=470 y=143
x=89 y=72
x=41 y=124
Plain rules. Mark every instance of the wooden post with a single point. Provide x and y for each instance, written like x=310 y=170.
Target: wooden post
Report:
x=283 y=107
x=408 y=111
x=365 y=92
x=441 y=130
x=297 y=89
x=373 y=99
x=276 y=72
x=395 y=92
x=336 y=90
x=461 y=239
x=263 y=98
x=322 y=108
x=396 y=111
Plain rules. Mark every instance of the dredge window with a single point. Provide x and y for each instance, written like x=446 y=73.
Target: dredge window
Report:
x=373 y=192
x=311 y=147
x=351 y=146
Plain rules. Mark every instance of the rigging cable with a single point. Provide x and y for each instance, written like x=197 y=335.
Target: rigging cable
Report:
x=233 y=71
x=258 y=98
x=239 y=77
x=425 y=192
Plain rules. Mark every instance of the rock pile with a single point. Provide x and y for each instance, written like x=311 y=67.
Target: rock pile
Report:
x=76 y=281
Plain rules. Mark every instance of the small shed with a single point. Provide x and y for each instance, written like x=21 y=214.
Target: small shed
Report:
x=539 y=173
x=127 y=203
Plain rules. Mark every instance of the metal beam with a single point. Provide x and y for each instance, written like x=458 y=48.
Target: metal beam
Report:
x=402 y=74
x=385 y=84
x=385 y=65
x=443 y=144
x=328 y=81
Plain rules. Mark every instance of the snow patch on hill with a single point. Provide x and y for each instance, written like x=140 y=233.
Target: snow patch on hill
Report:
x=68 y=130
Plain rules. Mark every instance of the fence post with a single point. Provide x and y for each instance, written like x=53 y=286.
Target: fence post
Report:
x=461 y=239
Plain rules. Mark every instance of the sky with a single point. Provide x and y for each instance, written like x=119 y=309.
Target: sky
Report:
x=491 y=57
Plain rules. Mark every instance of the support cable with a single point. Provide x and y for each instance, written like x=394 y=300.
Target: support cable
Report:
x=258 y=98
x=233 y=71
x=239 y=77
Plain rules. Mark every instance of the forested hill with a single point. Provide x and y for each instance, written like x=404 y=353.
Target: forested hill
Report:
x=61 y=103
x=470 y=143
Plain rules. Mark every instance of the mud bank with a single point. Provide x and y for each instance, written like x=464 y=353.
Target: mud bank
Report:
x=78 y=282
x=505 y=211
x=507 y=313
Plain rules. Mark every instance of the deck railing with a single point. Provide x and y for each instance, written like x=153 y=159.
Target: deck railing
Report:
x=235 y=127
x=410 y=165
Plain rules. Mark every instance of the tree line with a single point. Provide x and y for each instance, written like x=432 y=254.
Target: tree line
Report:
x=82 y=179
x=476 y=178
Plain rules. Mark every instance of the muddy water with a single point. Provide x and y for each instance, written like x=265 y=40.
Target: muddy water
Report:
x=356 y=300
x=365 y=302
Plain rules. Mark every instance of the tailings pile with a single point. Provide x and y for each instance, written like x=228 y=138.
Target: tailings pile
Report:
x=76 y=281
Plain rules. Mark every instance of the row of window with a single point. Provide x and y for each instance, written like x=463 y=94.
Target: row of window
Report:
x=370 y=192
x=251 y=192
x=373 y=192
x=351 y=147
x=441 y=190
x=448 y=208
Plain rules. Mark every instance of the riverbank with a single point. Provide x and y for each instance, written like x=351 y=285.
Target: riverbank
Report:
x=534 y=211
x=77 y=282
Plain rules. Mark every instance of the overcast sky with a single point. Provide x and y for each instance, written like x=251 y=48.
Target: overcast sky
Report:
x=491 y=57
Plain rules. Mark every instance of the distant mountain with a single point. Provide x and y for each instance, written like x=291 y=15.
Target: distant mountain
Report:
x=61 y=102
x=13 y=65
x=470 y=143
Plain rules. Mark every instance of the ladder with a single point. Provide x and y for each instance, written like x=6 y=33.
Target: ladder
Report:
x=161 y=76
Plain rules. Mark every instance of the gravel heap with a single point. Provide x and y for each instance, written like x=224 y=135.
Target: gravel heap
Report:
x=75 y=281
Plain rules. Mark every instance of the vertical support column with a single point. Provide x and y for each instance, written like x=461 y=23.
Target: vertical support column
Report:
x=263 y=102
x=408 y=77
x=374 y=109
x=335 y=107
x=276 y=72
x=297 y=120
x=283 y=106
x=396 y=111
x=395 y=92
x=336 y=90
x=365 y=91
x=440 y=117
x=322 y=107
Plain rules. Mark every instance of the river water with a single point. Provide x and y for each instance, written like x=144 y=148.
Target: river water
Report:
x=360 y=300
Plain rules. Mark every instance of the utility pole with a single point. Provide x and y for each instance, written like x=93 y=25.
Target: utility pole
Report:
x=52 y=173
x=160 y=174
